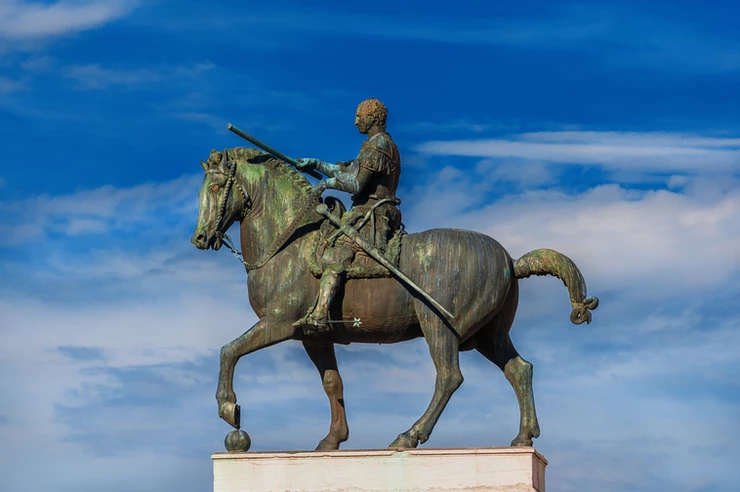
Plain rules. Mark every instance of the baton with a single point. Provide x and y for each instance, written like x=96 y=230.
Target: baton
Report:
x=246 y=136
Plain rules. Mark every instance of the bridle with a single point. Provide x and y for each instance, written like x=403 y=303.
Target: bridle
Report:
x=230 y=183
x=279 y=241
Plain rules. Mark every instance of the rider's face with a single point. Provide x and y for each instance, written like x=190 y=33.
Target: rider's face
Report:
x=363 y=122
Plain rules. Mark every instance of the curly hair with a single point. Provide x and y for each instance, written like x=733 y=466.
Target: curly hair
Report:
x=374 y=108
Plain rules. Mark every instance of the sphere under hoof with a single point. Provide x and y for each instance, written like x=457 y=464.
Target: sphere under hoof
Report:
x=237 y=440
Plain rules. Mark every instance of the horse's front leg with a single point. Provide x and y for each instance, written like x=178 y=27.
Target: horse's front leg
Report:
x=258 y=337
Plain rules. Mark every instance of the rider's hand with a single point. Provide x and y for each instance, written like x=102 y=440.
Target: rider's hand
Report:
x=307 y=163
x=323 y=185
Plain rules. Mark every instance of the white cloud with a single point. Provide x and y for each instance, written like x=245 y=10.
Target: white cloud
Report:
x=615 y=151
x=673 y=241
x=96 y=211
x=24 y=20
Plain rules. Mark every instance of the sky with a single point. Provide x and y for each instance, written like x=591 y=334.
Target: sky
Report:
x=606 y=131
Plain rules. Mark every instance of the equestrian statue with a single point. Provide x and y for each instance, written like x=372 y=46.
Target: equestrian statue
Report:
x=325 y=275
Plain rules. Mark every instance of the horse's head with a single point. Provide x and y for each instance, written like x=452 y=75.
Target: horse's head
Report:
x=219 y=205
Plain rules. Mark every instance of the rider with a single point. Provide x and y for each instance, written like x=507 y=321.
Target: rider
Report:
x=373 y=179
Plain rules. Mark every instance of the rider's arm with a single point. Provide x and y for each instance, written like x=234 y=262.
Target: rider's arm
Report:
x=331 y=170
x=324 y=167
x=351 y=178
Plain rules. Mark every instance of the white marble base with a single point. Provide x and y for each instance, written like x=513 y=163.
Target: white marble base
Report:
x=506 y=469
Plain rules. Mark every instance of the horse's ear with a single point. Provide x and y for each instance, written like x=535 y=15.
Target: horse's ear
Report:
x=224 y=159
x=204 y=165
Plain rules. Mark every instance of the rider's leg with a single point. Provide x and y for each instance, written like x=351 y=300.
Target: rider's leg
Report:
x=332 y=279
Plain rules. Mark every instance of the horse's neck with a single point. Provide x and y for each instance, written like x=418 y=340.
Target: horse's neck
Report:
x=275 y=202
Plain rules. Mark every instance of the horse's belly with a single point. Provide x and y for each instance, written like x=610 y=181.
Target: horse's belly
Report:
x=381 y=310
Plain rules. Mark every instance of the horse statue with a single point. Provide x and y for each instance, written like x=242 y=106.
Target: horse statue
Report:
x=468 y=272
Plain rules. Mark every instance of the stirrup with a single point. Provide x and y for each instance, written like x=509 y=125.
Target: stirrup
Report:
x=311 y=323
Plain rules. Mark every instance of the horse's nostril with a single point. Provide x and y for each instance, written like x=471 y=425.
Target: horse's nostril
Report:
x=198 y=239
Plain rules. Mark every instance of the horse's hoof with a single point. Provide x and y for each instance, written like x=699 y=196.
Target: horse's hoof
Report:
x=521 y=442
x=237 y=440
x=404 y=441
x=326 y=445
x=231 y=413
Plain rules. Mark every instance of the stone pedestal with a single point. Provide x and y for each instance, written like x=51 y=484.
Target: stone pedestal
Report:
x=506 y=469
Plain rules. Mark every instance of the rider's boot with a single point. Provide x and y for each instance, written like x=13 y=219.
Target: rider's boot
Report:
x=317 y=319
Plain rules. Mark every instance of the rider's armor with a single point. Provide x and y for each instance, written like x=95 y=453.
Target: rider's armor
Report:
x=380 y=156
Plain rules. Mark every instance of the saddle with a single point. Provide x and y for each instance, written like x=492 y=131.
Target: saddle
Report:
x=362 y=266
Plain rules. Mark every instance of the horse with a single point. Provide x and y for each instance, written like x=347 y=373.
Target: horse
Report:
x=468 y=272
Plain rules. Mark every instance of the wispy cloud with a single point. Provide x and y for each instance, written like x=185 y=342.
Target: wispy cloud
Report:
x=27 y=20
x=37 y=64
x=459 y=125
x=8 y=85
x=97 y=77
x=642 y=151
x=616 y=37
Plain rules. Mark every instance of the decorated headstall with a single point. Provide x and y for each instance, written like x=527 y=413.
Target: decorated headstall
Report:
x=230 y=166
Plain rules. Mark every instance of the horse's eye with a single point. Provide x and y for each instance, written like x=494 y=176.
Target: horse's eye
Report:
x=215 y=188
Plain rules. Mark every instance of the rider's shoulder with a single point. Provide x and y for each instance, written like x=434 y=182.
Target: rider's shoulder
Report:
x=381 y=141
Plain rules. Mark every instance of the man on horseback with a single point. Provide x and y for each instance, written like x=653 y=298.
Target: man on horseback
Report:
x=372 y=177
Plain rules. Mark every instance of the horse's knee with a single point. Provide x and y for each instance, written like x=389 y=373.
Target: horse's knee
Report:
x=518 y=369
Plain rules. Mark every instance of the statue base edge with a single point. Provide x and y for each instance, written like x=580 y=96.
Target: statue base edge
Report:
x=497 y=469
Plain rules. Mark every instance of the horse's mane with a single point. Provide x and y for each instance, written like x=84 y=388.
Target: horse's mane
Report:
x=246 y=155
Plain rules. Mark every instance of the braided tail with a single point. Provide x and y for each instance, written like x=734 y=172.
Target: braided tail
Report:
x=549 y=262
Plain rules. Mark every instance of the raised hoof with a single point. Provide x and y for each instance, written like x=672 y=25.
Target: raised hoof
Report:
x=404 y=441
x=521 y=442
x=326 y=445
x=237 y=440
x=231 y=413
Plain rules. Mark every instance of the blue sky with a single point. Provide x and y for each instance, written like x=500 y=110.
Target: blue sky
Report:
x=606 y=131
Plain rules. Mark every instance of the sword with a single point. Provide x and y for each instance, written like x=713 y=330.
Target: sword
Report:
x=249 y=138
x=378 y=256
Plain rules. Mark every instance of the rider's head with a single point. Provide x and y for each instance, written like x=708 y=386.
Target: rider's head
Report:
x=370 y=112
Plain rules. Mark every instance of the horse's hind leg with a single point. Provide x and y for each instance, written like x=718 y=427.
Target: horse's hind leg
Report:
x=444 y=349
x=494 y=343
x=325 y=360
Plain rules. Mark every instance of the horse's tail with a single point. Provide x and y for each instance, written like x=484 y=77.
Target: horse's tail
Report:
x=549 y=262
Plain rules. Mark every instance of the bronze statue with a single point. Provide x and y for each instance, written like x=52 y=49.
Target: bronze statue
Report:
x=373 y=179
x=298 y=248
